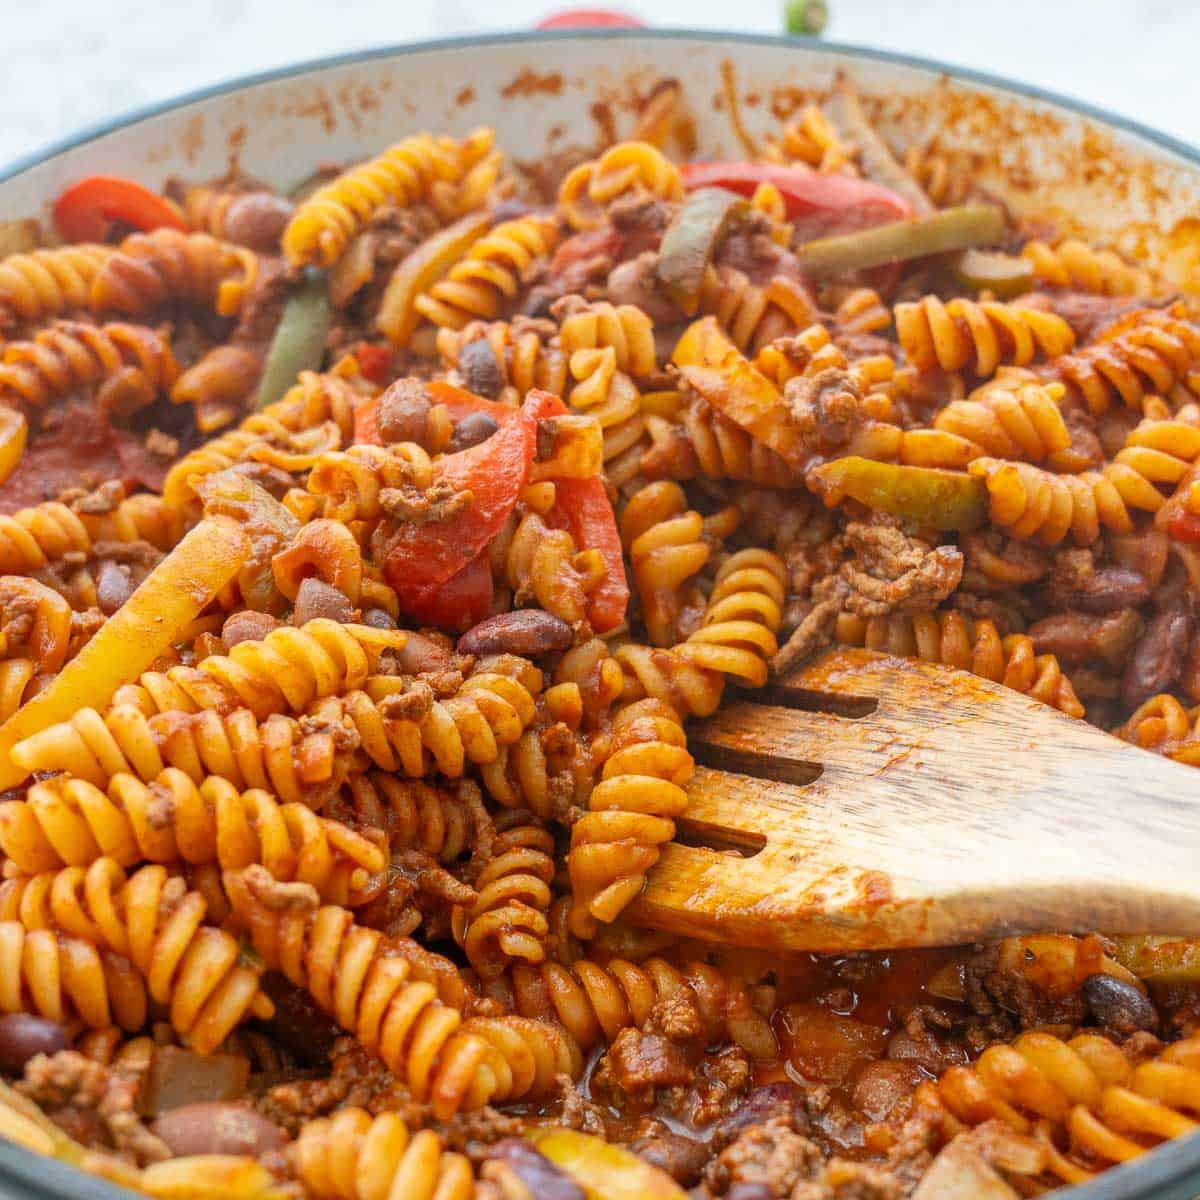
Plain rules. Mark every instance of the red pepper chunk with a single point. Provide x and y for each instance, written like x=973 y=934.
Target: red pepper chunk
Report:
x=423 y=556
x=87 y=210
x=590 y=520
x=1184 y=526
x=819 y=204
x=456 y=605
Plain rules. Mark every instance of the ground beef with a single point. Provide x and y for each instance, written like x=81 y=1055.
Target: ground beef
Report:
x=773 y=1154
x=94 y=1104
x=826 y=407
x=843 y=1180
x=893 y=571
x=815 y=630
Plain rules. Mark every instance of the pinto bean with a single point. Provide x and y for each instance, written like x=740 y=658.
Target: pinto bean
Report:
x=1158 y=657
x=423 y=653
x=316 y=598
x=480 y=371
x=526 y=631
x=682 y=1158
x=636 y=282
x=218 y=1127
x=257 y=219
x=473 y=429
x=1078 y=638
x=1118 y=1005
x=543 y=1179
x=248 y=626
x=377 y=618
x=114 y=586
x=760 y=1105
x=404 y=412
x=23 y=1036
x=1104 y=591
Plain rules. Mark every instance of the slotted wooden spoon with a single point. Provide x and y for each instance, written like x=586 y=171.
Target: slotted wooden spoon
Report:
x=871 y=802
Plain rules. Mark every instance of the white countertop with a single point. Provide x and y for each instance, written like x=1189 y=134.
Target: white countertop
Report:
x=65 y=64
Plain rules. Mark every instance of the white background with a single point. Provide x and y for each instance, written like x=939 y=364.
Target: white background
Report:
x=68 y=63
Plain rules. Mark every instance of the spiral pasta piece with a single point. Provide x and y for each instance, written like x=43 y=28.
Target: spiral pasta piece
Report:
x=631 y=812
x=349 y=481
x=153 y=920
x=954 y=640
x=48 y=283
x=354 y=1156
x=524 y=355
x=489 y=274
x=979 y=336
x=165 y=266
x=35 y=623
x=1023 y=422
x=124 y=361
x=219 y=386
x=285 y=672
x=663 y=538
x=16 y=674
x=369 y=983
x=1026 y=501
x=723 y=450
x=69 y=822
x=611 y=397
x=1074 y=264
x=1087 y=1105
x=60 y=978
x=1151 y=352
x=403 y=728
x=508 y=919
x=403 y=174
x=627 y=329
x=414 y=814
x=628 y=168
x=754 y=315
x=595 y=1001
x=248 y=218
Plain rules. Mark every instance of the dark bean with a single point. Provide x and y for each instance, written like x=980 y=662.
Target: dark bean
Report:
x=113 y=587
x=538 y=300
x=1076 y=637
x=378 y=619
x=257 y=219
x=1157 y=658
x=509 y=209
x=303 y=1029
x=423 y=652
x=525 y=631
x=535 y=1170
x=480 y=371
x=316 y=598
x=473 y=429
x=248 y=626
x=760 y=1105
x=1104 y=591
x=682 y=1158
x=22 y=1036
x=404 y=412
x=1118 y=1005
x=218 y=1127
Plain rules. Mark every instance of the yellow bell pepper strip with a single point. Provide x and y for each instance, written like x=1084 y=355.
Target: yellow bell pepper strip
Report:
x=151 y=620
x=1161 y=959
x=603 y=1170
x=299 y=341
x=420 y=270
x=719 y=371
x=14 y=431
x=917 y=237
x=928 y=495
x=691 y=240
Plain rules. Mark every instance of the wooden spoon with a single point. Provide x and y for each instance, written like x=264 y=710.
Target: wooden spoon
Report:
x=870 y=802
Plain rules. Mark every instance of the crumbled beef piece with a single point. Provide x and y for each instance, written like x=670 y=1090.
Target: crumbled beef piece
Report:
x=840 y=1179
x=273 y=480
x=88 y=1098
x=1087 y=314
x=827 y=407
x=896 y=572
x=815 y=630
x=638 y=1062
x=136 y=552
x=471 y=1132
x=263 y=305
x=923 y=1041
x=96 y=503
x=411 y=704
x=575 y=1110
x=277 y=896
x=417 y=506
x=989 y=988
x=161 y=445
x=773 y=1154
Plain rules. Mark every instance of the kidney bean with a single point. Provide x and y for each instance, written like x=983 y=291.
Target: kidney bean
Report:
x=422 y=653
x=535 y=1170
x=473 y=429
x=257 y=219
x=526 y=631
x=682 y=1158
x=1104 y=591
x=760 y=1105
x=23 y=1036
x=315 y=598
x=481 y=374
x=218 y=1127
x=1078 y=638
x=248 y=626
x=1158 y=657
x=376 y=618
x=1118 y=1005
x=113 y=587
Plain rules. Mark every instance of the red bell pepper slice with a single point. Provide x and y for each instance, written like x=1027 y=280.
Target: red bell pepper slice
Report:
x=818 y=204
x=375 y=362
x=456 y=605
x=590 y=18
x=589 y=518
x=87 y=210
x=1184 y=526
x=421 y=557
